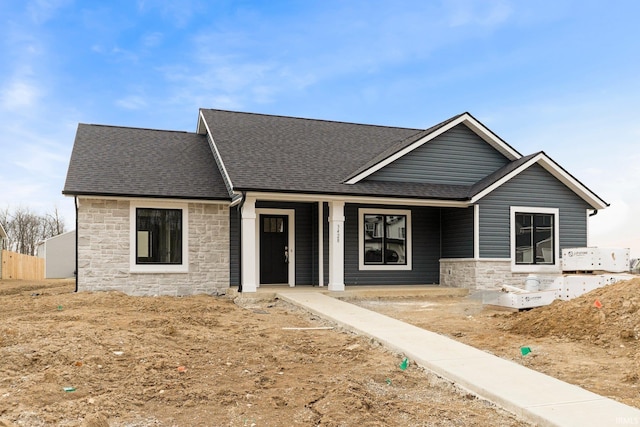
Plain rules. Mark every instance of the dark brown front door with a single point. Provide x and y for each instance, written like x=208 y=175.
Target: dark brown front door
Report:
x=274 y=240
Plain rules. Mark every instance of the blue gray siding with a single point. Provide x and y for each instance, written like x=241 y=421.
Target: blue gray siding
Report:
x=457 y=232
x=458 y=156
x=534 y=187
x=325 y=242
x=234 y=246
x=425 y=237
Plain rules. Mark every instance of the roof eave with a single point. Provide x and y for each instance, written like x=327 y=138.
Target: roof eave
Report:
x=71 y=193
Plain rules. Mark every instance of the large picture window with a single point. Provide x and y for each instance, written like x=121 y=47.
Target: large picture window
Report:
x=158 y=239
x=158 y=236
x=385 y=239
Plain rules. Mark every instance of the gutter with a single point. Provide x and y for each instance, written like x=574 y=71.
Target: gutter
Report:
x=75 y=200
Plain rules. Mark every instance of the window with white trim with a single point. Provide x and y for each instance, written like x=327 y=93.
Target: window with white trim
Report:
x=384 y=239
x=534 y=237
x=159 y=237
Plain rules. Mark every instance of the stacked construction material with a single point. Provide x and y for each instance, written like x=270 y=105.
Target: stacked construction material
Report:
x=586 y=269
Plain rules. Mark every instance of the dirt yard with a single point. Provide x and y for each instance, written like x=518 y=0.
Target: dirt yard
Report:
x=106 y=359
x=596 y=348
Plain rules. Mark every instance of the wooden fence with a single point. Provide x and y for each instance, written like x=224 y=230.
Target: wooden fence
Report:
x=19 y=266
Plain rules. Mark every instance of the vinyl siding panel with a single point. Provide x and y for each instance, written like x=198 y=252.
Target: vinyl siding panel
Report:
x=534 y=187
x=457 y=232
x=234 y=246
x=425 y=229
x=458 y=156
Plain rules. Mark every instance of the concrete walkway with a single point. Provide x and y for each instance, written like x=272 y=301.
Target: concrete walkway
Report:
x=535 y=397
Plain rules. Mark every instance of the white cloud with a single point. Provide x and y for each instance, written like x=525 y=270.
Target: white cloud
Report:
x=152 y=39
x=485 y=14
x=19 y=94
x=41 y=11
x=133 y=102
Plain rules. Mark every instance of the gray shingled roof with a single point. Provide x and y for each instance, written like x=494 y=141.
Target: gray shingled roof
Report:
x=120 y=161
x=288 y=154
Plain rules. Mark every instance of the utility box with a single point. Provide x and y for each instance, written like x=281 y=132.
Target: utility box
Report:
x=613 y=260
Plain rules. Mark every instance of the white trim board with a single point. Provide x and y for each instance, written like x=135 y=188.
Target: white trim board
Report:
x=535 y=268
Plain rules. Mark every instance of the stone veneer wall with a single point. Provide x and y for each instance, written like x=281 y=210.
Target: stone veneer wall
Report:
x=485 y=274
x=103 y=251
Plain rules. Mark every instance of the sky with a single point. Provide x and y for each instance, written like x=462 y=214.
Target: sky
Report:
x=559 y=76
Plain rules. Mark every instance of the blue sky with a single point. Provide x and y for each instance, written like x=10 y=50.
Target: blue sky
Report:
x=559 y=76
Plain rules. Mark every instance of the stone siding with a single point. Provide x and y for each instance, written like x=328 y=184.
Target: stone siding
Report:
x=486 y=274
x=104 y=251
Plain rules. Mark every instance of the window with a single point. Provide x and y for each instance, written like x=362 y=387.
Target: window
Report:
x=159 y=238
x=385 y=239
x=534 y=237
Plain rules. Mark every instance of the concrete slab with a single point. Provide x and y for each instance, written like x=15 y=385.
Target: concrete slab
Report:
x=533 y=396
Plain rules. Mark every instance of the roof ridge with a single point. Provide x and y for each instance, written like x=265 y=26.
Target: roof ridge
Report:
x=310 y=119
x=135 y=128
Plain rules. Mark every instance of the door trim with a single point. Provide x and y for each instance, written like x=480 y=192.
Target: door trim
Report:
x=291 y=214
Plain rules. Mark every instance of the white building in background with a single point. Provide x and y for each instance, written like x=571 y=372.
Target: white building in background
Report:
x=59 y=253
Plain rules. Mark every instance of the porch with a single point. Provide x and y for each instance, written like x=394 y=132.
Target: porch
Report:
x=332 y=243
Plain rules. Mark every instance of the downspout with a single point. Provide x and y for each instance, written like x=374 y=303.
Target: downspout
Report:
x=75 y=201
x=594 y=213
x=239 y=202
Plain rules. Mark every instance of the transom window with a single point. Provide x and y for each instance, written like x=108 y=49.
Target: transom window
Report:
x=158 y=236
x=385 y=239
x=534 y=238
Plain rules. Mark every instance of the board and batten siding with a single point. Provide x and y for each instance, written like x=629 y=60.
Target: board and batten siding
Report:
x=457 y=232
x=457 y=157
x=534 y=187
x=425 y=242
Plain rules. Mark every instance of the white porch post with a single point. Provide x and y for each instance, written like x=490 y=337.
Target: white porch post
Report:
x=336 y=246
x=248 y=255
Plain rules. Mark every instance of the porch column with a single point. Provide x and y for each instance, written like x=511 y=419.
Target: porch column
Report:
x=336 y=246
x=248 y=255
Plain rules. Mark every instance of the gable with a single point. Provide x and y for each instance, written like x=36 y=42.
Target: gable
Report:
x=539 y=160
x=457 y=157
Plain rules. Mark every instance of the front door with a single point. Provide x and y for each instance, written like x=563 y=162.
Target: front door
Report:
x=274 y=250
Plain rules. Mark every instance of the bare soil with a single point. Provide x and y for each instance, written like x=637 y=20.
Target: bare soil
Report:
x=591 y=341
x=107 y=359
x=210 y=361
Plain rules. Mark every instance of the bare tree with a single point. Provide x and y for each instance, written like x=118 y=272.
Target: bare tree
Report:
x=25 y=229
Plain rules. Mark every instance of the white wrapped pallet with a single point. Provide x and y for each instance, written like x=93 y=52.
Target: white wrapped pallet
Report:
x=613 y=260
x=575 y=285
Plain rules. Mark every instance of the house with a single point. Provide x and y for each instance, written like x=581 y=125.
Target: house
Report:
x=59 y=253
x=253 y=199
